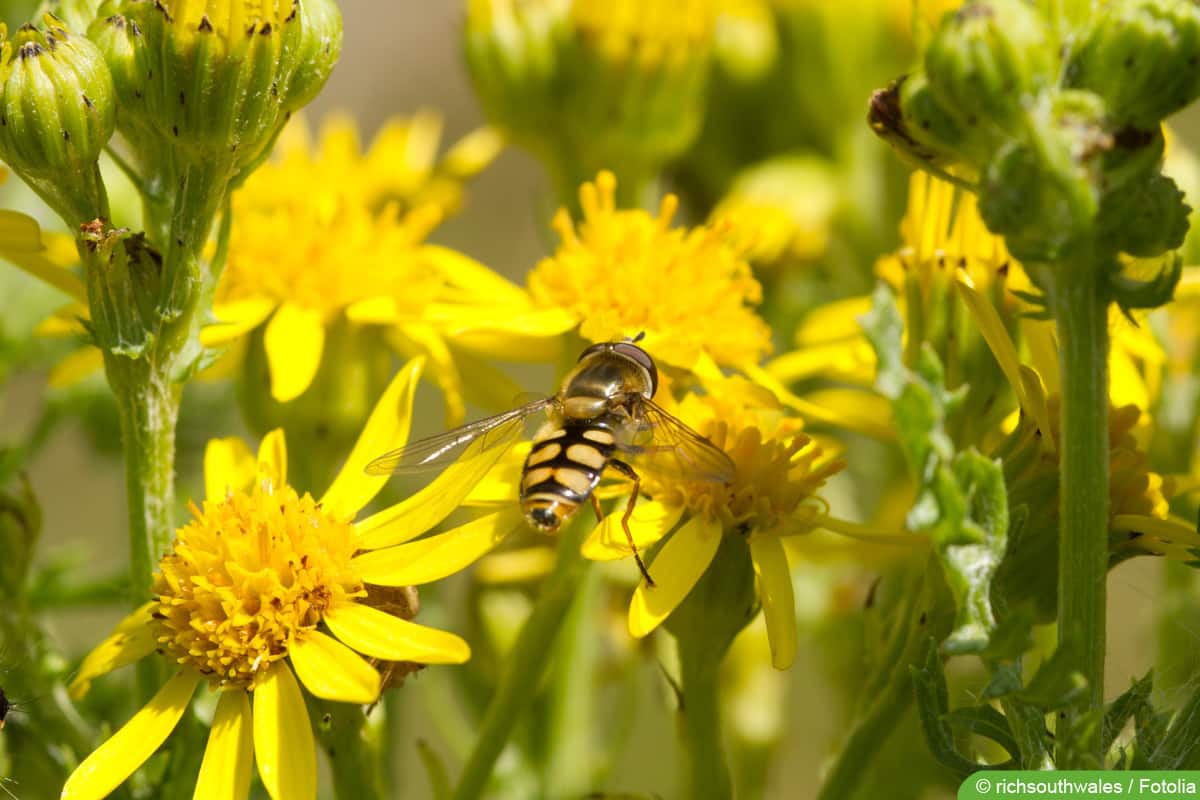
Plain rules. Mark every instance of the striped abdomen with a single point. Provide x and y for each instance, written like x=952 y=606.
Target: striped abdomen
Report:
x=561 y=471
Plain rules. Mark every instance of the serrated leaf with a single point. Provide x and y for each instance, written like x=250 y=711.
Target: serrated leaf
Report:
x=1134 y=700
x=987 y=722
x=932 y=697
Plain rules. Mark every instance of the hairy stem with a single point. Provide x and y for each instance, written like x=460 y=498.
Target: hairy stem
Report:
x=1081 y=309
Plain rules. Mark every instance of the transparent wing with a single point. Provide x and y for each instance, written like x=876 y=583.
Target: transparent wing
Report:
x=445 y=448
x=675 y=451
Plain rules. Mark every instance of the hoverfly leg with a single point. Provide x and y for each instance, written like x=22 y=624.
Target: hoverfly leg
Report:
x=628 y=472
x=596 y=508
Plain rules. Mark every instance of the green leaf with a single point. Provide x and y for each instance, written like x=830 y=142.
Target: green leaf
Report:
x=1054 y=685
x=929 y=683
x=1134 y=700
x=439 y=778
x=984 y=721
x=1180 y=748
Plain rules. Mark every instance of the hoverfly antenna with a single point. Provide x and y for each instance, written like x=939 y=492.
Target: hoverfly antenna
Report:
x=635 y=339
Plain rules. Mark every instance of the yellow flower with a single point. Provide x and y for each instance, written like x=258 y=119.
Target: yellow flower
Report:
x=619 y=272
x=328 y=234
x=243 y=601
x=773 y=496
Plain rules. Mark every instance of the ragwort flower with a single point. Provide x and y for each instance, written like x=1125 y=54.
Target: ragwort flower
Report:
x=774 y=495
x=618 y=272
x=243 y=600
x=327 y=235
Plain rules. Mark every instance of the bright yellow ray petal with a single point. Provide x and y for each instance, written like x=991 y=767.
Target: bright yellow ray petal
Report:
x=420 y=337
x=468 y=274
x=330 y=670
x=410 y=518
x=497 y=332
x=127 y=749
x=229 y=755
x=865 y=533
x=21 y=243
x=228 y=467
x=386 y=429
x=283 y=738
x=272 y=458
x=380 y=635
x=294 y=340
x=65 y=321
x=650 y=521
x=680 y=563
x=75 y=367
x=235 y=319
x=778 y=602
x=849 y=409
x=523 y=565
x=470 y=154
x=130 y=641
x=1001 y=344
x=436 y=556
x=501 y=486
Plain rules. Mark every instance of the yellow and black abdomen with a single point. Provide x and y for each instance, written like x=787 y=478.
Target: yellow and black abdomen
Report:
x=561 y=471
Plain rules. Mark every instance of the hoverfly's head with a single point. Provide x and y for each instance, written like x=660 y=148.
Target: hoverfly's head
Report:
x=628 y=351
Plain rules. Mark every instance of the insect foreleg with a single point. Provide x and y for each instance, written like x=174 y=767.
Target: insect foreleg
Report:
x=596 y=508
x=628 y=472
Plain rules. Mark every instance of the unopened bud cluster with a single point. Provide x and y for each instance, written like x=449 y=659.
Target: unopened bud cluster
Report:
x=589 y=85
x=1062 y=142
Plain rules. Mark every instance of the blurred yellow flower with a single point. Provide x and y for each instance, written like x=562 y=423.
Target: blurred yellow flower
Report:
x=326 y=233
x=619 y=272
x=242 y=594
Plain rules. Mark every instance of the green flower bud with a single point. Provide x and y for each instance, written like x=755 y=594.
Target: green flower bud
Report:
x=56 y=114
x=986 y=60
x=1146 y=219
x=1142 y=57
x=593 y=85
x=911 y=119
x=123 y=281
x=212 y=82
x=1044 y=199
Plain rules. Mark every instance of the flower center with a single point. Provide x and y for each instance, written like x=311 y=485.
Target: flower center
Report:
x=246 y=577
x=779 y=469
x=627 y=271
x=319 y=230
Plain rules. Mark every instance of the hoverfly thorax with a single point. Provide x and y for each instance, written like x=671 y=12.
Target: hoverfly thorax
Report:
x=606 y=372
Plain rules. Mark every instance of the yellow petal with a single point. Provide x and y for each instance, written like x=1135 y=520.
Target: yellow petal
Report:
x=778 y=602
x=65 y=321
x=498 y=332
x=283 y=739
x=849 y=409
x=523 y=565
x=130 y=641
x=501 y=486
x=127 y=749
x=228 y=467
x=380 y=635
x=651 y=520
x=421 y=338
x=76 y=366
x=991 y=327
x=386 y=429
x=420 y=512
x=470 y=154
x=229 y=756
x=330 y=670
x=294 y=340
x=235 y=319
x=272 y=458
x=436 y=556
x=675 y=570
x=466 y=273
x=21 y=243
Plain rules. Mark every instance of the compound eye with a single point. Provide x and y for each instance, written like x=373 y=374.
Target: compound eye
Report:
x=642 y=358
x=596 y=348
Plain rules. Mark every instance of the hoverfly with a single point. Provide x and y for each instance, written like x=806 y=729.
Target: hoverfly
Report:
x=602 y=415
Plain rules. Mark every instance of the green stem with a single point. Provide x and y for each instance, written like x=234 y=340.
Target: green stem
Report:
x=1081 y=309
x=527 y=662
x=700 y=726
x=353 y=747
x=868 y=734
x=721 y=603
x=148 y=404
x=569 y=746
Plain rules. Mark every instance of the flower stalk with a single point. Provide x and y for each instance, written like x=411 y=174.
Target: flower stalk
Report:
x=1081 y=309
x=528 y=660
